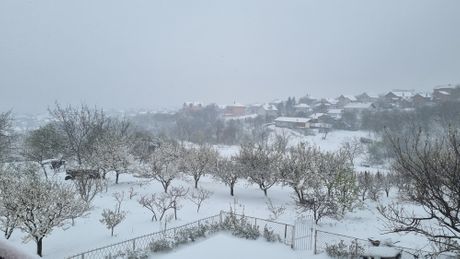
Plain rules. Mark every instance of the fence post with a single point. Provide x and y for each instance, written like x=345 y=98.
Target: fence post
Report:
x=293 y=237
x=220 y=217
x=356 y=247
x=311 y=237
x=134 y=245
x=83 y=256
x=255 y=221
x=285 y=232
x=315 y=250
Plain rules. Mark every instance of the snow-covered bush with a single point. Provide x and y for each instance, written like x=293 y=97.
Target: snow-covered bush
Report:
x=137 y=254
x=342 y=250
x=161 y=245
x=270 y=235
x=112 y=218
x=240 y=227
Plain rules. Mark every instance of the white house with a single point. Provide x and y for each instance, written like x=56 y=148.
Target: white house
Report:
x=292 y=122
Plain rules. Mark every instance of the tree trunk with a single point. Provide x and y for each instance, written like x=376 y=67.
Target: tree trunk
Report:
x=265 y=192
x=231 y=190
x=44 y=170
x=116 y=177
x=196 y=182
x=39 y=246
x=175 y=210
x=112 y=231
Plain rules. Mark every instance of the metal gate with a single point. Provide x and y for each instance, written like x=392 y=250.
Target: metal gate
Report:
x=303 y=234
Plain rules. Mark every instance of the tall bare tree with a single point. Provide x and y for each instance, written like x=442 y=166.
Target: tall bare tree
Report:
x=82 y=127
x=162 y=164
x=5 y=134
x=42 y=144
x=198 y=161
x=429 y=165
x=228 y=171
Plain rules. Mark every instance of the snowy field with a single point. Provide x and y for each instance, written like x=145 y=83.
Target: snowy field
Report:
x=88 y=233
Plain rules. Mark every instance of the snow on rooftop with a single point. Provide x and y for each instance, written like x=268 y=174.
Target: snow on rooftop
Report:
x=350 y=97
x=236 y=105
x=444 y=93
x=292 y=119
x=302 y=105
x=316 y=115
x=358 y=106
x=335 y=111
x=269 y=107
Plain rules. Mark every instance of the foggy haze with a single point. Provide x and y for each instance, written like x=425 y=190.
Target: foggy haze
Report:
x=152 y=54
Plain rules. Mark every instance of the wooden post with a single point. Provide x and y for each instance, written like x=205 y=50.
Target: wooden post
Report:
x=285 y=232
x=314 y=245
x=293 y=237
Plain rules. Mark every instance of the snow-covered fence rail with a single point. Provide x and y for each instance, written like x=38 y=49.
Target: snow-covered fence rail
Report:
x=334 y=242
x=120 y=250
x=284 y=231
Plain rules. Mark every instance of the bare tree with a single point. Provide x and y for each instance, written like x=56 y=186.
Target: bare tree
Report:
x=148 y=202
x=260 y=164
x=112 y=218
x=43 y=205
x=198 y=161
x=198 y=196
x=297 y=168
x=365 y=182
x=9 y=209
x=82 y=127
x=228 y=171
x=275 y=211
x=112 y=149
x=159 y=204
x=132 y=192
x=5 y=134
x=162 y=164
x=328 y=188
x=353 y=148
x=88 y=186
x=430 y=166
x=44 y=143
x=176 y=194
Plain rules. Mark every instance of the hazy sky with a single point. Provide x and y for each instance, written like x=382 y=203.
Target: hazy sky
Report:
x=150 y=53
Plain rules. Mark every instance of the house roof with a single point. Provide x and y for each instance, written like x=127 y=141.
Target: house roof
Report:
x=269 y=107
x=302 y=105
x=358 y=106
x=444 y=92
x=335 y=111
x=316 y=115
x=292 y=119
x=236 y=105
x=350 y=97
x=404 y=94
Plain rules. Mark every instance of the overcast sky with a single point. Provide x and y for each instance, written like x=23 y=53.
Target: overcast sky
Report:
x=150 y=53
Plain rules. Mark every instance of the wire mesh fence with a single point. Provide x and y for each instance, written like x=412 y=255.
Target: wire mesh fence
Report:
x=120 y=250
x=283 y=230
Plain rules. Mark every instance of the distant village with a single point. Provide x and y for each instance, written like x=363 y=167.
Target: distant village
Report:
x=311 y=113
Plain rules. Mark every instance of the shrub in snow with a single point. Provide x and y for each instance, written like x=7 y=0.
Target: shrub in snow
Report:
x=240 y=227
x=338 y=250
x=111 y=218
x=137 y=254
x=342 y=250
x=270 y=236
x=161 y=245
x=198 y=196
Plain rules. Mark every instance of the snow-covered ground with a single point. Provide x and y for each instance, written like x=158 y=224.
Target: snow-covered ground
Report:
x=88 y=233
